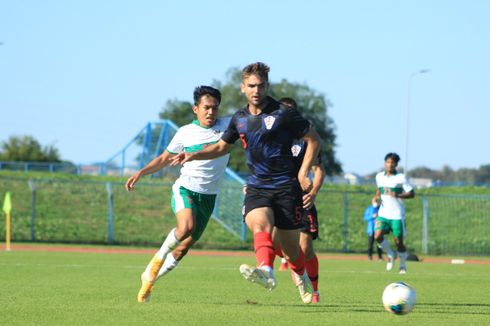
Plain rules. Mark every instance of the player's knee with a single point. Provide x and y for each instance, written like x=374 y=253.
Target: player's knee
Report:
x=292 y=255
x=180 y=252
x=309 y=253
x=183 y=232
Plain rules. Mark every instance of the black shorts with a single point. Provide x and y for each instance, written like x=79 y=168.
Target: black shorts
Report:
x=310 y=222
x=286 y=204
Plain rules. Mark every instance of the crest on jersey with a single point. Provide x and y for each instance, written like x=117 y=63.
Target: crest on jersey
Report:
x=295 y=149
x=216 y=131
x=269 y=122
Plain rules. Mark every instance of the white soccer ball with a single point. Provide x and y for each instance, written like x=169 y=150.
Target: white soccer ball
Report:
x=399 y=298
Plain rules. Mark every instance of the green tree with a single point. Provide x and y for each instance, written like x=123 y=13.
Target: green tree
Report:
x=312 y=105
x=27 y=149
x=446 y=174
x=180 y=112
x=483 y=174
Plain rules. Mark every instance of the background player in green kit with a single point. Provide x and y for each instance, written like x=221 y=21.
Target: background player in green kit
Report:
x=194 y=192
x=392 y=188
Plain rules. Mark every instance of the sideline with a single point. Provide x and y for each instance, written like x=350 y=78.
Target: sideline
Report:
x=199 y=252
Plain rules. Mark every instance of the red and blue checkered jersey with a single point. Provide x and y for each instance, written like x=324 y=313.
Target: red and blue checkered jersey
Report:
x=267 y=139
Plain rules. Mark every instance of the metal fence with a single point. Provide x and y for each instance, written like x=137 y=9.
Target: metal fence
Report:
x=100 y=212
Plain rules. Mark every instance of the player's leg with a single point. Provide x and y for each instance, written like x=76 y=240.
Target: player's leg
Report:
x=307 y=236
x=289 y=240
x=398 y=232
x=202 y=208
x=259 y=218
x=288 y=214
x=370 y=238
x=383 y=227
x=278 y=250
x=173 y=258
x=311 y=263
x=182 y=207
x=379 y=251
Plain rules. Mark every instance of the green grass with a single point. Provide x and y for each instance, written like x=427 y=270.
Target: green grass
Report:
x=41 y=288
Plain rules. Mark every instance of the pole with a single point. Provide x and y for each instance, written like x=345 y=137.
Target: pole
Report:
x=32 y=185
x=425 y=225
x=7 y=207
x=110 y=213
x=405 y=169
x=7 y=232
x=409 y=90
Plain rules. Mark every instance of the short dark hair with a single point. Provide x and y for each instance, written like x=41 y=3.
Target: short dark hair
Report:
x=259 y=68
x=289 y=102
x=200 y=91
x=394 y=156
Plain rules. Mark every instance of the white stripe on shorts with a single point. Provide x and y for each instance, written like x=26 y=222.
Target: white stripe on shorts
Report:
x=178 y=199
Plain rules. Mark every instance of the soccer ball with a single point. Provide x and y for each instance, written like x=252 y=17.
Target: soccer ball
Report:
x=399 y=298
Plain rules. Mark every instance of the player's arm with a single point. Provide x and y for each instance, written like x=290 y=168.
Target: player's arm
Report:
x=406 y=195
x=318 y=177
x=407 y=192
x=155 y=165
x=313 y=147
x=210 y=152
x=377 y=196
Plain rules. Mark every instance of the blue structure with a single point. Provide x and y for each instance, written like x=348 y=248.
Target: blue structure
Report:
x=149 y=143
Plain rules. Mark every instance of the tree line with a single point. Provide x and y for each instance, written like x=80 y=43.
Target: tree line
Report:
x=27 y=149
x=448 y=175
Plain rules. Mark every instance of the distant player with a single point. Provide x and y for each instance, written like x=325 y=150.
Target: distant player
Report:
x=369 y=217
x=194 y=192
x=392 y=188
x=310 y=215
x=266 y=130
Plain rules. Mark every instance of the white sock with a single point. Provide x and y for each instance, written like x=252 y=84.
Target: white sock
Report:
x=168 y=265
x=268 y=269
x=385 y=245
x=403 y=258
x=168 y=245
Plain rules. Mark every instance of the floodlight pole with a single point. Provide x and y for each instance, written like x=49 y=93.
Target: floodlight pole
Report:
x=422 y=71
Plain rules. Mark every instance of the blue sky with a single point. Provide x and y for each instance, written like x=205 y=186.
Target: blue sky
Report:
x=86 y=76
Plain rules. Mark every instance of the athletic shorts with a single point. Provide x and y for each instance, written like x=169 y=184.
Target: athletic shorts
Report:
x=202 y=206
x=387 y=226
x=310 y=222
x=286 y=204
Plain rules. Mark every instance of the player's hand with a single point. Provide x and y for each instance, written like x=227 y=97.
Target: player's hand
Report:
x=177 y=159
x=181 y=158
x=132 y=181
x=308 y=200
x=305 y=183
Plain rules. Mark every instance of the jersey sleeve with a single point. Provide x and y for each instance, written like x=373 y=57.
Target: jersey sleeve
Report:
x=176 y=145
x=231 y=134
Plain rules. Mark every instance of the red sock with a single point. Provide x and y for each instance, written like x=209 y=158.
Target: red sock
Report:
x=298 y=266
x=278 y=251
x=312 y=270
x=264 y=251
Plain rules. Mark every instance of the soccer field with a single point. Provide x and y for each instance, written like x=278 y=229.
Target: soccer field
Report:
x=58 y=288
